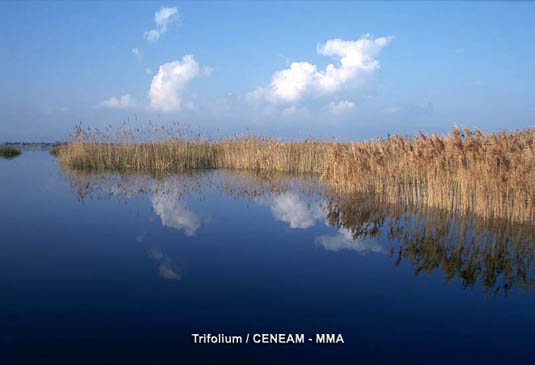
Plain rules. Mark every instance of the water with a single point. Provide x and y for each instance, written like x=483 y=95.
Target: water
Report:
x=108 y=269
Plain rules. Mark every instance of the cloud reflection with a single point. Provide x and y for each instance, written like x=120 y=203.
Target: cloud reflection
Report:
x=167 y=269
x=290 y=208
x=175 y=214
x=344 y=240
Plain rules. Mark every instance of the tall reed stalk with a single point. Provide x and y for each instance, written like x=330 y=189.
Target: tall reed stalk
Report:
x=492 y=174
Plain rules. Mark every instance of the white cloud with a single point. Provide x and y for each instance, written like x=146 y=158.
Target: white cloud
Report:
x=175 y=214
x=341 y=107
x=163 y=18
x=123 y=102
x=151 y=35
x=344 y=240
x=289 y=208
x=287 y=85
x=148 y=71
x=356 y=59
x=167 y=85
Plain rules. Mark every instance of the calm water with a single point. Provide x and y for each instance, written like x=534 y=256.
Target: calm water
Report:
x=123 y=270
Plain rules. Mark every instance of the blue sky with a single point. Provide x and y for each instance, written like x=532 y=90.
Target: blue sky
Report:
x=225 y=67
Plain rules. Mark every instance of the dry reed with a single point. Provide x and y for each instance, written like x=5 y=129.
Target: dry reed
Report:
x=490 y=174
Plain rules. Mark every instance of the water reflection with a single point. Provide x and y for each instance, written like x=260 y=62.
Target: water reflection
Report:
x=344 y=240
x=463 y=246
x=165 y=266
x=167 y=269
x=174 y=213
x=290 y=208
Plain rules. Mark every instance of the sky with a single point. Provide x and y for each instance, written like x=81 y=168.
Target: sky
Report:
x=336 y=70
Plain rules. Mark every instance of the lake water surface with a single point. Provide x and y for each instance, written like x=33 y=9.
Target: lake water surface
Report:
x=110 y=269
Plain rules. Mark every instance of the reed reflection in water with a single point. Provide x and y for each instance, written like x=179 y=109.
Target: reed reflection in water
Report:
x=464 y=246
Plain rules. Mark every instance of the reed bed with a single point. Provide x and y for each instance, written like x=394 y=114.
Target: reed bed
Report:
x=9 y=152
x=492 y=174
x=92 y=150
x=54 y=150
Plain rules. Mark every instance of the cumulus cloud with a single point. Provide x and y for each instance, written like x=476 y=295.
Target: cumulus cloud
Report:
x=288 y=85
x=341 y=107
x=175 y=214
x=123 y=102
x=344 y=240
x=163 y=18
x=167 y=85
x=290 y=208
x=356 y=59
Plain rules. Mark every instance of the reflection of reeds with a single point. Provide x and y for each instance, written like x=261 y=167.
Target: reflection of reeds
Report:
x=238 y=184
x=465 y=246
x=489 y=174
x=497 y=252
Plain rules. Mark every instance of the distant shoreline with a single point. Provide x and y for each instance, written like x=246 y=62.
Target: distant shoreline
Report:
x=29 y=144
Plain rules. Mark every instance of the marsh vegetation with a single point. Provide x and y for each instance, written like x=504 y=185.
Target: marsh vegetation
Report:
x=9 y=152
x=462 y=203
x=489 y=174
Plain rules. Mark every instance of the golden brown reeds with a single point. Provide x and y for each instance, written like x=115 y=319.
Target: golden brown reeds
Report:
x=490 y=174
x=173 y=154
